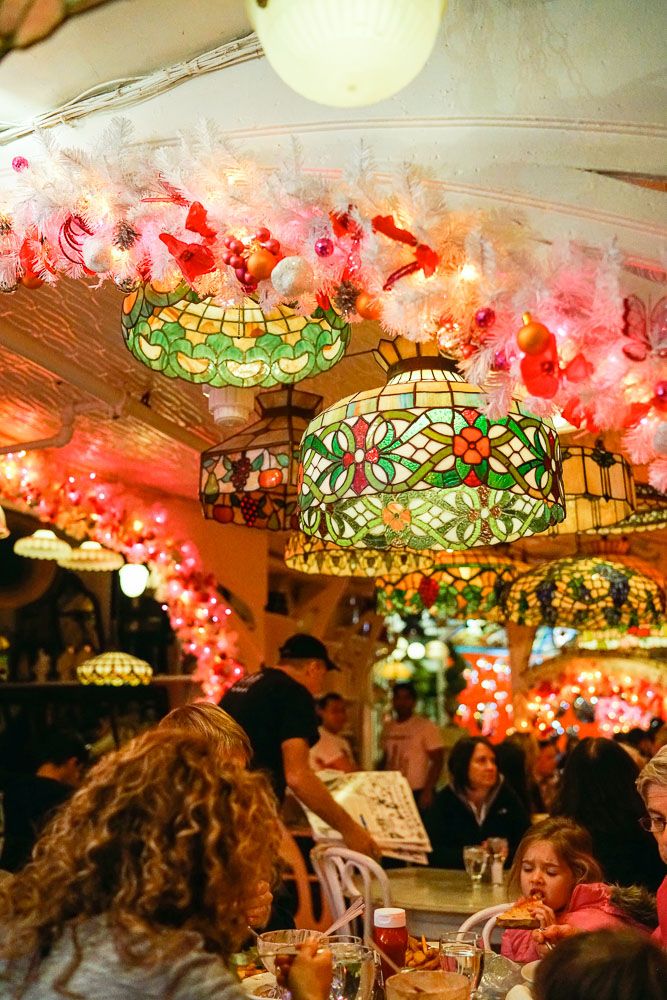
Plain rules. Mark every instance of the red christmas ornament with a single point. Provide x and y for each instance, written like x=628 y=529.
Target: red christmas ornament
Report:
x=324 y=247
x=30 y=278
x=533 y=337
x=71 y=238
x=192 y=258
x=540 y=372
x=428 y=591
x=485 y=318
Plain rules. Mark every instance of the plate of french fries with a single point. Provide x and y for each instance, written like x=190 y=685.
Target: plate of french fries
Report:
x=421 y=954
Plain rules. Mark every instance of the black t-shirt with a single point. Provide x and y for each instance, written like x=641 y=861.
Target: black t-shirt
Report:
x=272 y=708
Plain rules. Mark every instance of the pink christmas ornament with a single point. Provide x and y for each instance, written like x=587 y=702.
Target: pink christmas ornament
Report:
x=19 y=163
x=324 y=247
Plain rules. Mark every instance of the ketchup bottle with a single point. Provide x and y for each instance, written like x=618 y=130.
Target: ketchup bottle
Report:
x=391 y=935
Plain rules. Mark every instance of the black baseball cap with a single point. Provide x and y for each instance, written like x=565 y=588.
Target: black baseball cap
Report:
x=302 y=646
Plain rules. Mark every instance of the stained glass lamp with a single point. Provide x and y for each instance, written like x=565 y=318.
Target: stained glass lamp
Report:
x=599 y=489
x=42 y=544
x=183 y=336
x=459 y=585
x=588 y=592
x=115 y=669
x=250 y=478
x=650 y=513
x=92 y=557
x=418 y=463
x=308 y=554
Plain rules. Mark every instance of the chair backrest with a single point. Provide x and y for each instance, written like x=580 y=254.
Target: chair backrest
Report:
x=345 y=875
x=488 y=917
x=303 y=883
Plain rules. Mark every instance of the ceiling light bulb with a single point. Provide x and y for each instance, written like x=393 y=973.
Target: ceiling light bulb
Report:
x=375 y=47
x=133 y=579
x=416 y=650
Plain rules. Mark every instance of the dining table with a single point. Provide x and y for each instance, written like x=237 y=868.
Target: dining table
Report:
x=439 y=899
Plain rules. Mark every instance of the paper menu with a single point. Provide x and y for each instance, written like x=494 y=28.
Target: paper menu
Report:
x=383 y=803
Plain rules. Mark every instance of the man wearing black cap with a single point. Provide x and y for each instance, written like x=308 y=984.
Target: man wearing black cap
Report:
x=276 y=707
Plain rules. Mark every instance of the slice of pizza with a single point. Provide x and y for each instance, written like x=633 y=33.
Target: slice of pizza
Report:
x=519 y=916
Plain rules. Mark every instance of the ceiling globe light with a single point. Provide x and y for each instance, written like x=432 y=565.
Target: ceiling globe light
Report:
x=42 y=544
x=115 y=669
x=91 y=557
x=418 y=463
x=133 y=578
x=376 y=47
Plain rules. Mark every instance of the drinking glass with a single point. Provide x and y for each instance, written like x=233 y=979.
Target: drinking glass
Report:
x=354 y=968
x=462 y=953
x=475 y=860
x=281 y=947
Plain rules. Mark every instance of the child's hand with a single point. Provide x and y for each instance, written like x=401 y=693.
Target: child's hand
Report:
x=544 y=913
x=547 y=938
x=310 y=975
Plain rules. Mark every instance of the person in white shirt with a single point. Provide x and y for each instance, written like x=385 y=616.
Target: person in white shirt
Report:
x=332 y=751
x=413 y=745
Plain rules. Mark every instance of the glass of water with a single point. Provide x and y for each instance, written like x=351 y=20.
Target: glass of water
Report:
x=475 y=860
x=462 y=953
x=354 y=969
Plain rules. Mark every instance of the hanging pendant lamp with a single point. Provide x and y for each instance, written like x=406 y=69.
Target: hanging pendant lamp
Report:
x=92 y=557
x=591 y=592
x=183 y=336
x=599 y=489
x=115 y=669
x=42 y=544
x=308 y=554
x=650 y=513
x=459 y=585
x=250 y=478
x=418 y=464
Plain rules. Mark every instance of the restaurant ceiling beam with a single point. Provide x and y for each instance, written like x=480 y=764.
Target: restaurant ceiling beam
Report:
x=121 y=405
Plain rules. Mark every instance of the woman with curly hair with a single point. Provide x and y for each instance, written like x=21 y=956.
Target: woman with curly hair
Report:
x=137 y=886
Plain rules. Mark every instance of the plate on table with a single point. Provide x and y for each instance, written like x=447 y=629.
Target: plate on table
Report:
x=528 y=971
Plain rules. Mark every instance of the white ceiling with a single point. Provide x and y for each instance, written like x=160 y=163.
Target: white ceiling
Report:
x=522 y=105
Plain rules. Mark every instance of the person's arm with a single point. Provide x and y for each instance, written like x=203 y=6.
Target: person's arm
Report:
x=305 y=784
x=435 y=761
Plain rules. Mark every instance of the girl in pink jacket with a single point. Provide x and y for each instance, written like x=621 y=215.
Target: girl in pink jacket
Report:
x=555 y=869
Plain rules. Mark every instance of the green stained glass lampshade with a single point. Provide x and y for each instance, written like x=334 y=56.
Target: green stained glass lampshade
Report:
x=308 y=554
x=183 y=336
x=250 y=478
x=650 y=513
x=599 y=489
x=588 y=592
x=458 y=585
x=418 y=463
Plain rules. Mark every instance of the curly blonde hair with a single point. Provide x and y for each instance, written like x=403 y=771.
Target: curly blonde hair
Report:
x=213 y=722
x=571 y=843
x=160 y=839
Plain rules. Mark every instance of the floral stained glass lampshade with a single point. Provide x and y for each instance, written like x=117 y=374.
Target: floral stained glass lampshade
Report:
x=92 y=557
x=418 y=463
x=458 y=585
x=250 y=478
x=308 y=554
x=599 y=489
x=650 y=513
x=115 y=669
x=183 y=336
x=588 y=592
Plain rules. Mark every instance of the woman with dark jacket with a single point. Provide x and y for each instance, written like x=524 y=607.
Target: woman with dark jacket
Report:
x=598 y=792
x=476 y=804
